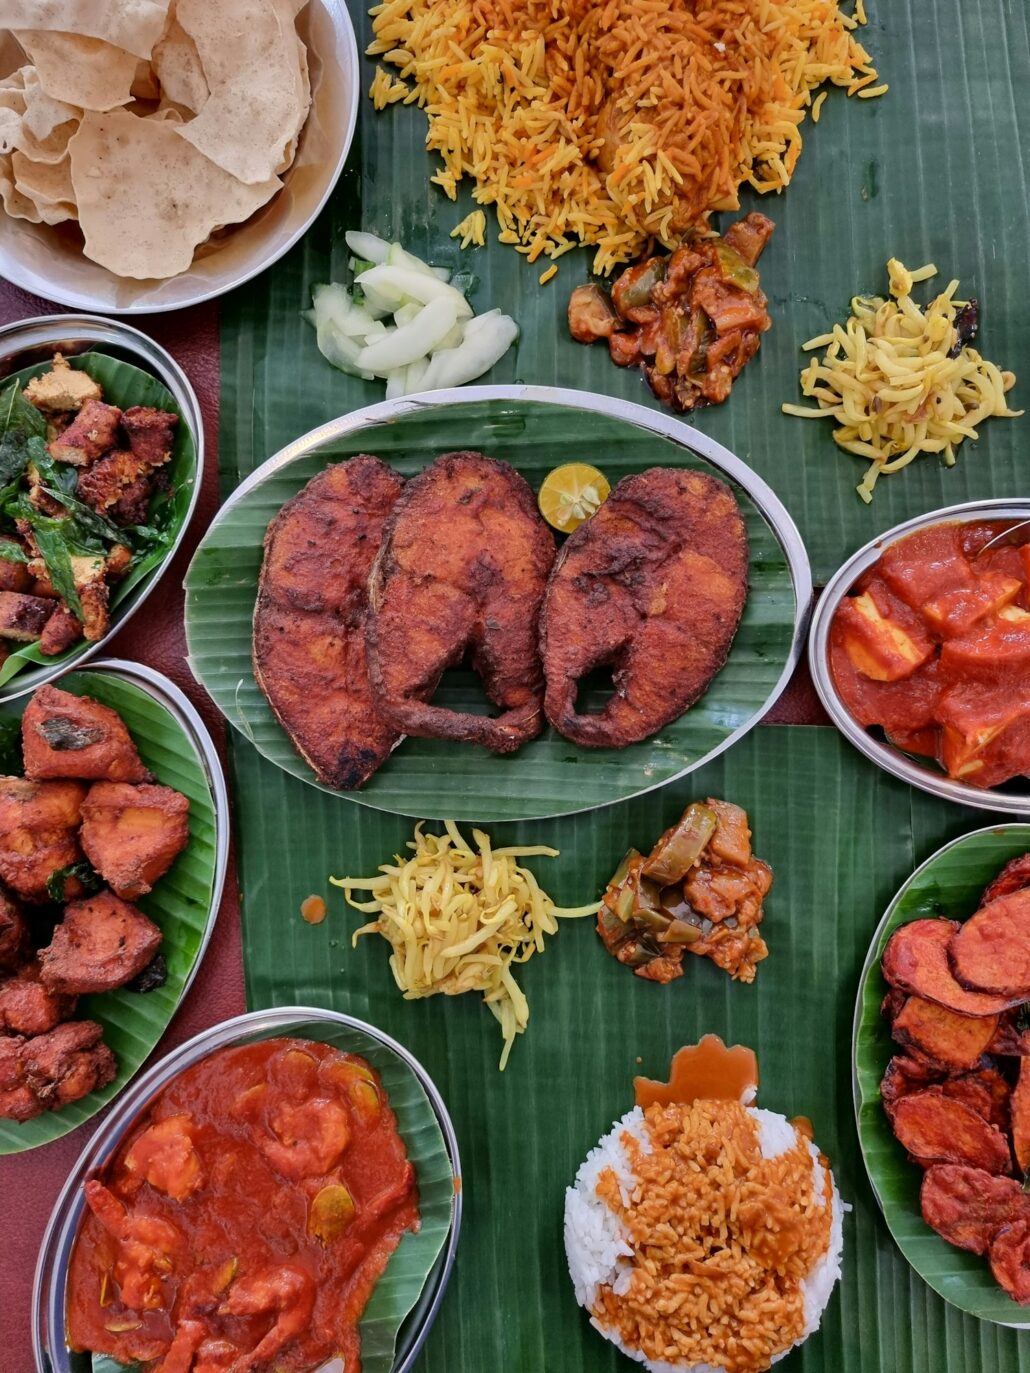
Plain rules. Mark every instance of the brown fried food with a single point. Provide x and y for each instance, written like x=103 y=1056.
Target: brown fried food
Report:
x=23 y=618
x=17 y=1099
x=27 y=1007
x=91 y=433
x=309 y=622
x=461 y=571
x=133 y=504
x=1010 y=1260
x=653 y=586
x=133 y=834
x=14 y=932
x=968 y=1206
x=1013 y=877
x=62 y=389
x=68 y=1063
x=986 y=1092
x=101 y=944
x=935 y=1128
x=916 y=960
x=1009 y=1041
x=956 y=1042
x=151 y=433
x=74 y=736
x=991 y=951
x=62 y=629
x=904 y=1075
x=14 y=576
x=1019 y=1108
x=39 y=833
x=104 y=485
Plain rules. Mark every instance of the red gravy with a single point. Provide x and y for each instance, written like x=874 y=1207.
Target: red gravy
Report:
x=933 y=645
x=245 y=1220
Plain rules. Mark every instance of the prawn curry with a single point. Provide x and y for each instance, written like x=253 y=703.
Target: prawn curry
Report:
x=242 y=1225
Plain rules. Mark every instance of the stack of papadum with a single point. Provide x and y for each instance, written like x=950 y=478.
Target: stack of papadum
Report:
x=151 y=122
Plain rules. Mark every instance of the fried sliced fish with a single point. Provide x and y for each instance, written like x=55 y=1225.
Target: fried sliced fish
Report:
x=309 y=621
x=652 y=587
x=462 y=570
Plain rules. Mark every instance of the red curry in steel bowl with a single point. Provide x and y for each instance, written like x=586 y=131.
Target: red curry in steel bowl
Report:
x=932 y=644
x=244 y=1221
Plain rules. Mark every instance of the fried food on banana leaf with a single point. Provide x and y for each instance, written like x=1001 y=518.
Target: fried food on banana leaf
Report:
x=74 y=736
x=956 y=1042
x=309 y=622
x=133 y=834
x=101 y=944
x=991 y=951
x=916 y=960
x=935 y=1128
x=968 y=1206
x=39 y=833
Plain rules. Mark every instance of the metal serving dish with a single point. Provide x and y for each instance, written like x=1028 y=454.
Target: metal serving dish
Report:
x=50 y=1285
x=923 y=775
x=30 y=341
x=49 y=260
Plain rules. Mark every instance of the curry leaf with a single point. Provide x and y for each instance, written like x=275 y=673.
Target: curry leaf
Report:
x=84 y=874
x=52 y=542
x=19 y=422
x=11 y=552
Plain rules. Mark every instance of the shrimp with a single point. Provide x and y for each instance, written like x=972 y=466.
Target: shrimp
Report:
x=288 y=1291
x=145 y=1246
x=310 y=1138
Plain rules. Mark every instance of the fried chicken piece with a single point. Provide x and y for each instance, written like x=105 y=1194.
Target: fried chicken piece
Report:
x=39 y=833
x=309 y=622
x=133 y=834
x=462 y=570
x=151 y=433
x=133 y=505
x=62 y=629
x=101 y=944
x=14 y=576
x=93 y=431
x=652 y=586
x=104 y=484
x=17 y=1099
x=68 y=1063
x=74 y=736
x=14 y=932
x=27 y=1007
x=23 y=618
x=61 y=389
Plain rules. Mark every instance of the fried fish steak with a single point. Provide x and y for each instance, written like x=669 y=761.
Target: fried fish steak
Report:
x=309 y=622
x=461 y=573
x=652 y=587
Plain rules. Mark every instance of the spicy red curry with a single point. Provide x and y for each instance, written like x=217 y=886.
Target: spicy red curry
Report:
x=243 y=1223
x=933 y=645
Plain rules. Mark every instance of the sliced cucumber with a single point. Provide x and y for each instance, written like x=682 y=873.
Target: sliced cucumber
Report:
x=401 y=285
x=487 y=338
x=406 y=345
x=368 y=246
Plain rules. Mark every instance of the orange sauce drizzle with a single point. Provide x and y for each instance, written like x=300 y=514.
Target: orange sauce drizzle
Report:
x=708 y=1071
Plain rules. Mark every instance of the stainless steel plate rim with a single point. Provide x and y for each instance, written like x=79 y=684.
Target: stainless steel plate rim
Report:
x=664 y=426
x=886 y=757
x=42 y=331
x=15 y=271
x=871 y=959
x=55 y=1249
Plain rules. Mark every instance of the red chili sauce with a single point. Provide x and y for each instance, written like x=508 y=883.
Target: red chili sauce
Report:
x=245 y=1220
x=933 y=645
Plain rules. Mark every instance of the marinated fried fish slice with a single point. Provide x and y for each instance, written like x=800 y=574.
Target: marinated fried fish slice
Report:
x=653 y=586
x=462 y=571
x=309 y=622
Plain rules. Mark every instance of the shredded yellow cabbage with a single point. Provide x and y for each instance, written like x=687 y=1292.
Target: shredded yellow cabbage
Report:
x=458 y=918
x=890 y=381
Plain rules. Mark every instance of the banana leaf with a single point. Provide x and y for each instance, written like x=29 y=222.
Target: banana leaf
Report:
x=123 y=385
x=180 y=903
x=840 y=836
x=548 y=776
x=931 y=172
x=949 y=885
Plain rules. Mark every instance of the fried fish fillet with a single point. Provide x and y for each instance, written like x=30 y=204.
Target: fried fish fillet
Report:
x=653 y=586
x=309 y=621
x=462 y=570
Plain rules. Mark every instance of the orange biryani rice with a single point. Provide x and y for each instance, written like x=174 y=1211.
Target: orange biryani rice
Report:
x=614 y=122
x=704 y=1236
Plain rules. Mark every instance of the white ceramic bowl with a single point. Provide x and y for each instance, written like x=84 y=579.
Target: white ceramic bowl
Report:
x=49 y=261
x=1014 y=797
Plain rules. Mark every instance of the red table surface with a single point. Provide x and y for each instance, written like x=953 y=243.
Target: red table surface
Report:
x=30 y=1182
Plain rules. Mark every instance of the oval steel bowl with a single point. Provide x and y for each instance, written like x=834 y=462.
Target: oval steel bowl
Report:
x=892 y=760
x=49 y=260
x=50 y=1286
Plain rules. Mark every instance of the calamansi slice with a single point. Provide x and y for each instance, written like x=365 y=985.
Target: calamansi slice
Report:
x=571 y=494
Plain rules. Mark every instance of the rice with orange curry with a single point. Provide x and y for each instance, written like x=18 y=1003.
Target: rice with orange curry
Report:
x=704 y=1236
x=614 y=122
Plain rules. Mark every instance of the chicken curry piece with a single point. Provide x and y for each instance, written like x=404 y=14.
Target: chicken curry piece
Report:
x=699 y=890
x=690 y=321
x=933 y=646
x=246 y=1218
